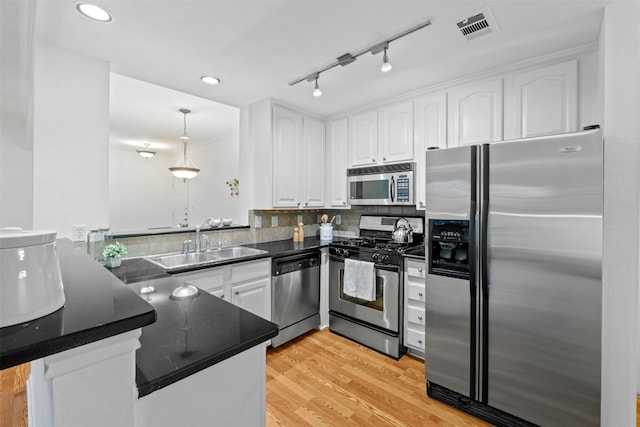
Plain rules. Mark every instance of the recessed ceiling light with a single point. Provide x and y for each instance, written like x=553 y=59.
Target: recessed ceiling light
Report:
x=94 y=12
x=211 y=80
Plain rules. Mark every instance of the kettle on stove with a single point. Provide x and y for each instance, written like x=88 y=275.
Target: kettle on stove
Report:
x=402 y=233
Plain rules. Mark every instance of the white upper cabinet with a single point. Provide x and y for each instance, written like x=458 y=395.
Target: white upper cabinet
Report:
x=382 y=136
x=313 y=154
x=475 y=113
x=337 y=158
x=287 y=155
x=430 y=130
x=545 y=100
x=298 y=160
x=396 y=136
x=363 y=144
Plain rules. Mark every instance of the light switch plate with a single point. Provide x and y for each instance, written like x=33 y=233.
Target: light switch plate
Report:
x=299 y=218
x=258 y=222
x=274 y=221
x=338 y=219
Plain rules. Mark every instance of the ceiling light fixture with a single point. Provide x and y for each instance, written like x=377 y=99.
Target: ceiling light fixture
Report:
x=210 y=80
x=348 y=58
x=317 y=91
x=146 y=152
x=93 y=12
x=185 y=169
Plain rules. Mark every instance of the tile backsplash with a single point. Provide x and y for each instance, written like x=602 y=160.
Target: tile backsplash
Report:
x=285 y=222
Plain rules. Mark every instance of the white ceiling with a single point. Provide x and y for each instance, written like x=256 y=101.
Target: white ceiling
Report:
x=258 y=47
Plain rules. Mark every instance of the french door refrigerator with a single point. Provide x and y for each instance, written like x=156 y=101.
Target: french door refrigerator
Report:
x=514 y=283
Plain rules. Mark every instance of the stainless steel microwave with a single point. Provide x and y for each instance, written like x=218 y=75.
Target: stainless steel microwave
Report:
x=381 y=185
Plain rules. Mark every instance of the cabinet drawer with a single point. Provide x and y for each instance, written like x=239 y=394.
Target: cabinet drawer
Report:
x=415 y=315
x=415 y=269
x=251 y=270
x=209 y=281
x=415 y=291
x=415 y=338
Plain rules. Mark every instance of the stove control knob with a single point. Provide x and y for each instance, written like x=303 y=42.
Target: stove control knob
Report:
x=375 y=257
x=385 y=258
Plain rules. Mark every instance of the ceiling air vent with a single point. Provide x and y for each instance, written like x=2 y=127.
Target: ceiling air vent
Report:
x=476 y=25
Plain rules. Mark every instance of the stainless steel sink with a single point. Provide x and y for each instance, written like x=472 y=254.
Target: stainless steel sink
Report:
x=178 y=261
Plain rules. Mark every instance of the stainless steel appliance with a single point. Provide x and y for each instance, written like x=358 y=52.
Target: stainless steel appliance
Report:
x=390 y=184
x=375 y=322
x=295 y=295
x=513 y=291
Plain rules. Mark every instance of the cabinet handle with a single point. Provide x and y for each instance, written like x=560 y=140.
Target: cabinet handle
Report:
x=419 y=294
x=236 y=292
x=419 y=317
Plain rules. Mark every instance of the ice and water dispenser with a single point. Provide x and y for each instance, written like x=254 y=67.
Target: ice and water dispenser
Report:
x=449 y=252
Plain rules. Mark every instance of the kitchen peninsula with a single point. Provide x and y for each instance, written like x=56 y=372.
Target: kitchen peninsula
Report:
x=83 y=356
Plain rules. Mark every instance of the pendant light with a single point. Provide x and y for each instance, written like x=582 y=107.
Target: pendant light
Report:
x=185 y=169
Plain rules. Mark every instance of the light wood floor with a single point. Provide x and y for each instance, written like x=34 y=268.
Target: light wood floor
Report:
x=318 y=379
x=324 y=379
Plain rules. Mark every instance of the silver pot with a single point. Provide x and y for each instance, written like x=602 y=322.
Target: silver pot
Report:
x=402 y=233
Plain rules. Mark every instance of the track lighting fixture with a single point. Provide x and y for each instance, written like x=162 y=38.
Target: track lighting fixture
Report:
x=348 y=58
x=317 y=91
x=386 y=66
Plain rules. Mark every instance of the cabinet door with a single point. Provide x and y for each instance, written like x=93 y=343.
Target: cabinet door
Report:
x=337 y=152
x=287 y=155
x=396 y=142
x=545 y=100
x=430 y=130
x=314 y=157
x=475 y=113
x=254 y=297
x=210 y=280
x=363 y=144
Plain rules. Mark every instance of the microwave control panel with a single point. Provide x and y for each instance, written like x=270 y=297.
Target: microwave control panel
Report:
x=404 y=189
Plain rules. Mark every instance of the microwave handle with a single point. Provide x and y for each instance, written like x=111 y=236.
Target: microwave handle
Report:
x=393 y=189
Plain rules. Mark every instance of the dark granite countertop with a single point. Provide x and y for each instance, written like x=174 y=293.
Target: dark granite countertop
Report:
x=415 y=252
x=97 y=306
x=191 y=335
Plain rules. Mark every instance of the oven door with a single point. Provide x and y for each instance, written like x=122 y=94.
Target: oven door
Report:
x=382 y=312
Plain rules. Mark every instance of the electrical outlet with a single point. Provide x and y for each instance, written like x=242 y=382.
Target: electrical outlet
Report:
x=79 y=233
x=274 y=221
x=258 y=222
x=338 y=219
x=299 y=218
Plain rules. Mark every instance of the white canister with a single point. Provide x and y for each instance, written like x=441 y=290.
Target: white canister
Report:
x=30 y=280
x=326 y=232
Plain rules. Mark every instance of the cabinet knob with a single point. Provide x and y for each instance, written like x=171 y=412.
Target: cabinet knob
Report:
x=236 y=292
x=373 y=160
x=419 y=317
x=344 y=203
x=384 y=159
x=222 y=296
x=420 y=270
x=421 y=203
x=306 y=203
x=419 y=341
x=298 y=204
x=419 y=294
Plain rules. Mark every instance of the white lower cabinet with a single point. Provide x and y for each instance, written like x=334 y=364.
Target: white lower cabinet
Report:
x=414 y=305
x=245 y=284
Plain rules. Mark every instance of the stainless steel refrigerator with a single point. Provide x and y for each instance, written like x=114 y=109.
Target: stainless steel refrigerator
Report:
x=514 y=283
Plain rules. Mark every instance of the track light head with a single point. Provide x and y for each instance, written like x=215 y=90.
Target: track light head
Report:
x=316 y=90
x=386 y=66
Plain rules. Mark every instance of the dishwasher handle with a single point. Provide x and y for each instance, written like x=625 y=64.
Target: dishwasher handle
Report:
x=291 y=264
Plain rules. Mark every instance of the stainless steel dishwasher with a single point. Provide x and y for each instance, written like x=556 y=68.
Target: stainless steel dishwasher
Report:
x=295 y=295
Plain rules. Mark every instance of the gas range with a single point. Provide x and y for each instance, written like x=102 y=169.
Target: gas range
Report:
x=375 y=242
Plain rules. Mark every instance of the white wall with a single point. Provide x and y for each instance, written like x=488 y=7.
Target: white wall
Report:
x=16 y=114
x=620 y=57
x=70 y=140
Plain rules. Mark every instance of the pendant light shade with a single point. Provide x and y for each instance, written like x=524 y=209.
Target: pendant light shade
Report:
x=185 y=169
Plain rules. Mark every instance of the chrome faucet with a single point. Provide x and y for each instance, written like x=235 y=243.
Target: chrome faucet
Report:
x=209 y=222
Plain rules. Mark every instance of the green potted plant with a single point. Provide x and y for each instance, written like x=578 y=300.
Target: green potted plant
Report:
x=113 y=254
